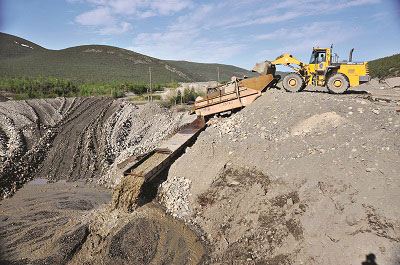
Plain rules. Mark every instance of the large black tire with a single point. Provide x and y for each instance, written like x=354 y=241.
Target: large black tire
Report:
x=293 y=82
x=338 y=84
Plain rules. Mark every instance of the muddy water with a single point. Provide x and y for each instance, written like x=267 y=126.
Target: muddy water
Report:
x=74 y=223
x=126 y=193
x=37 y=213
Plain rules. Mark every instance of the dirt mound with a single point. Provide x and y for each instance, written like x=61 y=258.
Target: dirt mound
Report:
x=304 y=178
x=146 y=236
x=318 y=123
x=76 y=138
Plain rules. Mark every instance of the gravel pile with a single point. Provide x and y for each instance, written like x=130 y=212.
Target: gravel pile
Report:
x=174 y=194
x=133 y=131
x=297 y=178
x=77 y=138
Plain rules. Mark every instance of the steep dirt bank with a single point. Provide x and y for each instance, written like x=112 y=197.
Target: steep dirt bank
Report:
x=76 y=138
x=305 y=178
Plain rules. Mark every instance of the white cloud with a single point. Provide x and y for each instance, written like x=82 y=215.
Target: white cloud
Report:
x=303 y=32
x=178 y=46
x=103 y=20
x=185 y=39
x=166 y=7
x=220 y=30
x=96 y=17
x=115 y=28
x=147 y=14
x=268 y=19
x=110 y=16
x=279 y=11
x=300 y=40
x=294 y=48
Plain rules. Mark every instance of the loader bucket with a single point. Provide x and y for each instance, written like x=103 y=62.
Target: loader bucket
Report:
x=257 y=83
x=264 y=68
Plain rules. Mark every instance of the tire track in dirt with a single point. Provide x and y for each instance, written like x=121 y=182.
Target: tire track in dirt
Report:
x=76 y=138
x=69 y=152
x=49 y=127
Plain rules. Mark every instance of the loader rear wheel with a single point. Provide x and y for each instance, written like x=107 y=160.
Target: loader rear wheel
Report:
x=293 y=83
x=338 y=84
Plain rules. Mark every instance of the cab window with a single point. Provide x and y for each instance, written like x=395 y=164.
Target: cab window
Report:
x=318 y=57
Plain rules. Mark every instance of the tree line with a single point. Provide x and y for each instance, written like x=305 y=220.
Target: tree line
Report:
x=48 y=87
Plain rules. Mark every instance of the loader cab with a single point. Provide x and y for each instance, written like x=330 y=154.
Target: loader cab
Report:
x=319 y=61
x=320 y=58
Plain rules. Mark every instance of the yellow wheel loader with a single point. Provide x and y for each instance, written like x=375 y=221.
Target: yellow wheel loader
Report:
x=324 y=70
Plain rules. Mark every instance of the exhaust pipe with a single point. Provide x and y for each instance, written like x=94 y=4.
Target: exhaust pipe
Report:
x=351 y=55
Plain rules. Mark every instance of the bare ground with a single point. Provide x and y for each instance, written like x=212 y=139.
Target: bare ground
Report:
x=84 y=140
x=72 y=223
x=76 y=138
x=305 y=178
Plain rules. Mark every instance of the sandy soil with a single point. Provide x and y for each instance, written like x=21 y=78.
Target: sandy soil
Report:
x=73 y=223
x=305 y=178
x=38 y=212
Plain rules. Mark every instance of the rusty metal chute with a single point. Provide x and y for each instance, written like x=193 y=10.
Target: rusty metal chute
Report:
x=232 y=95
x=152 y=164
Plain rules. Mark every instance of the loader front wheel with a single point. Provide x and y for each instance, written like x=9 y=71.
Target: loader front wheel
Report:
x=338 y=84
x=293 y=82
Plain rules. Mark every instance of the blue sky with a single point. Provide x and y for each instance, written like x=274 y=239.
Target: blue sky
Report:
x=240 y=32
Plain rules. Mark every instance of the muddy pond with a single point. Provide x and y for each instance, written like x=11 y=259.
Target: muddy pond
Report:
x=74 y=223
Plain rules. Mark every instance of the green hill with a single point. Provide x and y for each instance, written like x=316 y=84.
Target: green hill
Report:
x=91 y=63
x=209 y=71
x=385 y=67
x=99 y=63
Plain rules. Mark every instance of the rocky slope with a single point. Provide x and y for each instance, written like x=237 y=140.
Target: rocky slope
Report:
x=305 y=178
x=76 y=138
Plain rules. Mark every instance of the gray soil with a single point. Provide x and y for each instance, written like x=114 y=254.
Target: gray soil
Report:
x=72 y=223
x=38 y=212
x=294 y=178
x=76 y=138
x=66 y=140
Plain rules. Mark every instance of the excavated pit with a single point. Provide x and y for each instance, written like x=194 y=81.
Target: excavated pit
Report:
x=71 y=148
x=76 y=138
x=74 y=223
